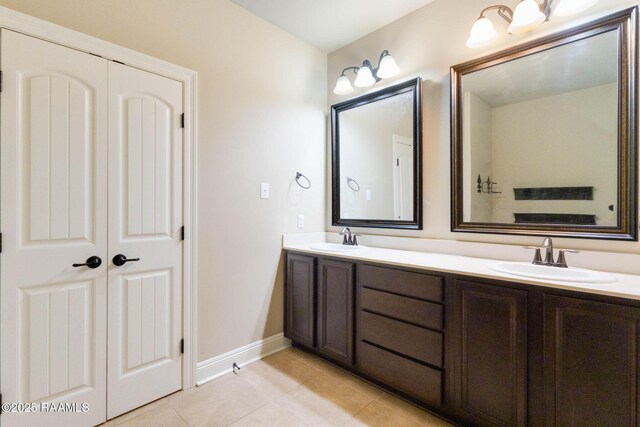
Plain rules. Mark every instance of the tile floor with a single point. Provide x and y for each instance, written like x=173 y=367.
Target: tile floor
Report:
x=289 y=388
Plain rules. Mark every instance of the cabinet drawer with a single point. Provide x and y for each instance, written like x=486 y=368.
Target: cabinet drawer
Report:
x=415 y=285
x=413 y=341
x=415 y=379
x=411 y=310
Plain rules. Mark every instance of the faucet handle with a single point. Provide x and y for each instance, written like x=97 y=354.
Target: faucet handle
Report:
x=562 y=261
x=354 y=239
x=537 y=258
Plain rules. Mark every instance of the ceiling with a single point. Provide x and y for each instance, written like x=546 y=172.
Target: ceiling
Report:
x=330 y=24
x=579 y=65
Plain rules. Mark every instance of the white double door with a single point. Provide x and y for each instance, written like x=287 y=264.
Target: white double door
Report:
x=90 y=166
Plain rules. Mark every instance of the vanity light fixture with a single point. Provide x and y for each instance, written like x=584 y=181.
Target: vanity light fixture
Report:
x=366 y=75
x=527 y=16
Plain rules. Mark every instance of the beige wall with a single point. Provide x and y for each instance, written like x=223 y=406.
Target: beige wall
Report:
x=366 y=155
x=262 y=102
x=476 y=159
x=427 y=43
x=574 y=147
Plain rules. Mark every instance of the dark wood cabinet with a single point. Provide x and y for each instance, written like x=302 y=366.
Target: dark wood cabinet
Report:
x=478 y=351
x=591 y=363
x=319 y=306
x=492 y=349
x=300 y=299
x=400 y=331
x=335 y=309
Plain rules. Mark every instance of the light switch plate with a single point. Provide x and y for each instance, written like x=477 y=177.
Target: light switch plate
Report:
x=300 y=221
x=264 y=190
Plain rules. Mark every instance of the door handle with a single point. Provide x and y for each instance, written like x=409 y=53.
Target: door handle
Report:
x=92 y=262
x=122 y=260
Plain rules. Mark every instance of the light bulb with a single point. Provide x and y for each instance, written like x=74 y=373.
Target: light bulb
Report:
x=526 y=17
x=482 y=33
x=343 y=86
x=364 y=77
x=570 y=7
x=388 y=67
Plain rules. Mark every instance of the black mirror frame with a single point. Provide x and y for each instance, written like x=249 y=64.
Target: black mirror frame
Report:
x=413 y=86
x=625 y=22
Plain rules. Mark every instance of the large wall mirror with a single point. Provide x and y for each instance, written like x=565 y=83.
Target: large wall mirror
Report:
x=544 y=135
x=376 y=159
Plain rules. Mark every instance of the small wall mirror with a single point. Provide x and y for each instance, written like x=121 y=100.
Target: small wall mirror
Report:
x=376 y=159
x=544 y=135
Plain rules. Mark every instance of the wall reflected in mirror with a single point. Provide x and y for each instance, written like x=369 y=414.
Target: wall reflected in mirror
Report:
x=546 y=121
x=376 y=160
x=375 y=151
x=543 y=136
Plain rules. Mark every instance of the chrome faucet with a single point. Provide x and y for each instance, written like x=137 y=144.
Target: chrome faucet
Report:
x=547 y=244
x=349 y=238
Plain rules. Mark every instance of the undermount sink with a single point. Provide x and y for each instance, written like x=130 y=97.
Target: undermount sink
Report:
x=337 y=247
x=570 y=274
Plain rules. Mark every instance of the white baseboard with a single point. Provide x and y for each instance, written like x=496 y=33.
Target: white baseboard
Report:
x=208 y=370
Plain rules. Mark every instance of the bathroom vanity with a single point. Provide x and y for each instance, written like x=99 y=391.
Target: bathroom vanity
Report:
x=475 y=346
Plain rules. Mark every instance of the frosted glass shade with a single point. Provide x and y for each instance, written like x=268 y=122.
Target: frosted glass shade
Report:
x=526 y=17
x=343 y=86
x=482 y=33
x=569 y=7
x=364 y=77
x=388 y=67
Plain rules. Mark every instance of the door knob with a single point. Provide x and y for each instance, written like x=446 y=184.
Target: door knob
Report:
x=122 y=260
x=92 y=262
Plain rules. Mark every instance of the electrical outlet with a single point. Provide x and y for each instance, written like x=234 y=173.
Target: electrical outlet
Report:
x=367 y=195
x=264 y=190
x=300 y=221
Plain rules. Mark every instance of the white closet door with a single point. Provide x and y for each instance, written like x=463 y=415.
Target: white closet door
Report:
x=53 y=159
x=145 y=220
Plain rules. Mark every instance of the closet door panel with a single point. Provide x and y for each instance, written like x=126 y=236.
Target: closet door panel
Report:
x=53 y=160
x=145 y=220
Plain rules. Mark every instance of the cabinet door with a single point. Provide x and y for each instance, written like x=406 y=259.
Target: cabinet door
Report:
x=591 y=363
x=300 y=299
x=335 y=309
x=493 y=354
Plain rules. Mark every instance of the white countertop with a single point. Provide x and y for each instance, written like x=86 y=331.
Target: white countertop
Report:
x=627 y=285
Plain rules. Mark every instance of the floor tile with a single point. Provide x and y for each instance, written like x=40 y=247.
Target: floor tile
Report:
x=218 y=403
x=376 y=414
x=164 y=416
x=353 y=381
x=336 y=372
x=308 y=358
x=136 y=412
x=270 y=415
x=290 y=388
x=273 y=377
x=324 y=400
x=418 y=415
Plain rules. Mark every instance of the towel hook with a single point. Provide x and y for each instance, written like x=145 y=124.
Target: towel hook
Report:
x=353 y=184
x=298 y=176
